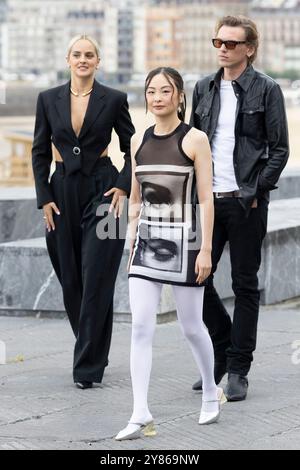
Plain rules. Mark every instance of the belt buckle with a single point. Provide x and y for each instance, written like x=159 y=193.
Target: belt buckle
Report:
x=217 y=195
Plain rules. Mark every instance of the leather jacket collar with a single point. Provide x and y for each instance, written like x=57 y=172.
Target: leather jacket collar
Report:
x=244 y=80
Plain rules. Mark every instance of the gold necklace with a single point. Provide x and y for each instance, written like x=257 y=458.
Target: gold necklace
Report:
x=82 y=94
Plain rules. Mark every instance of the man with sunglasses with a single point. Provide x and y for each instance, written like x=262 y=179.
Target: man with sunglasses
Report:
x=242 y=111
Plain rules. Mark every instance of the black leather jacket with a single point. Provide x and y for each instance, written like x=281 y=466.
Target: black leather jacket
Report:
x=261 y=136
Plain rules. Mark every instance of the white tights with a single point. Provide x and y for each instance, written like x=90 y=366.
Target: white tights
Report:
x=144 y=300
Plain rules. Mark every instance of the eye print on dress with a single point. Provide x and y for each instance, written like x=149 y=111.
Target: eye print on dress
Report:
x=159 y=248
x=162 y=250
x=156 y=196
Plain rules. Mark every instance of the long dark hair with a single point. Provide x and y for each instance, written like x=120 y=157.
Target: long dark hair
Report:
x=169 y=72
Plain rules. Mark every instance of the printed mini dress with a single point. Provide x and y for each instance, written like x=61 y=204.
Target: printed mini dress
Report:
x=168 y=236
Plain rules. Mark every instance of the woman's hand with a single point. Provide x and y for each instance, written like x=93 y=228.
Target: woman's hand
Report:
x=203 y=265
x=48 y=215
x=117 y=203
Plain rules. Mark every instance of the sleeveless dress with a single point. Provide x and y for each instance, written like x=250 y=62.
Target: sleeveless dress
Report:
x=168 y=236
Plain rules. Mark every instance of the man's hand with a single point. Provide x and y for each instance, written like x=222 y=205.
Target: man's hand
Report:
x=254 y=204
x=117 y=203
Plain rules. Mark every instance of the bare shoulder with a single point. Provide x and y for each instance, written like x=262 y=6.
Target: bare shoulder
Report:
x=199 y=137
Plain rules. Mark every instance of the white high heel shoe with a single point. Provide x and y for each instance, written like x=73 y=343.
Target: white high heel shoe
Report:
x=208 y=417
x=134 y=431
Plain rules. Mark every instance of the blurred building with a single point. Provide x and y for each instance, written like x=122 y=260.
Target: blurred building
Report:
x=163 y=3
x=278 y=23
x=140 y=40
x=123 y=39
x=125 y=45
x=179 y=32
x=164 y=37
x=37 y=33
x=279 y=26
x=3 y=14
x=138 y=35
x=198 y=28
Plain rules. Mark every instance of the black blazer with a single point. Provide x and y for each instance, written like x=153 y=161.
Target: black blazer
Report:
x=107 y=109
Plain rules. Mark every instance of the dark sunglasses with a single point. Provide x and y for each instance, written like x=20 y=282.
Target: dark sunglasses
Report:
x=228 y=44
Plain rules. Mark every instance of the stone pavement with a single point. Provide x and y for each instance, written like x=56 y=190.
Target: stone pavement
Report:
x=41 y=409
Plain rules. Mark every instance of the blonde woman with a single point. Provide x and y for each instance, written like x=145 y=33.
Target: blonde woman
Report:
x=74 y=123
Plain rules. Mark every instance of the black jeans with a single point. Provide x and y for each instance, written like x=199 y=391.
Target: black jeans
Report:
x=235 y=341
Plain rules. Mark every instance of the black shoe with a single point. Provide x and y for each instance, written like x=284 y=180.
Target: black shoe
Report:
x=219 y=372
x=83 y=385
x=236 y=388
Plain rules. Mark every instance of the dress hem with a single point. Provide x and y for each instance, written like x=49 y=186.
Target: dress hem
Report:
x=174 y=283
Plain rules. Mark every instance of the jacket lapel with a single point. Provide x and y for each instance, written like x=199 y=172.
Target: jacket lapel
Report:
x=95 y=107
x=63 y=107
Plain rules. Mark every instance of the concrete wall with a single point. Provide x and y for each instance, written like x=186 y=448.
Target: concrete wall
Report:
x=28 y=284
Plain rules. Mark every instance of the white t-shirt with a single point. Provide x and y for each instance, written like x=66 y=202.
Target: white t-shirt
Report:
x=223 y=141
